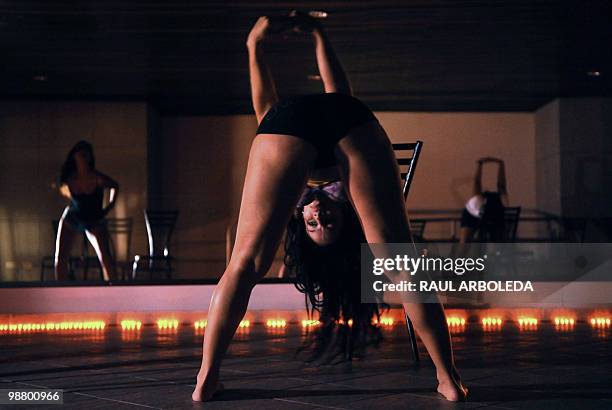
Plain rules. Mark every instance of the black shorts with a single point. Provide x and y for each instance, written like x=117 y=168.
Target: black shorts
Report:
x=82 y=225
x=469 y=221
x=321 y=119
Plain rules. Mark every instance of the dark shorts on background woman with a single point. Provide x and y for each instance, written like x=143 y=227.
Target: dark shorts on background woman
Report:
x=321 y=119
x=82 y=225
x=469 y=221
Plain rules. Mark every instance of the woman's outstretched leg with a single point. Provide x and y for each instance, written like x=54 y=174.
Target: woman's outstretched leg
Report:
x=369 y=169
x=100 y=241
x=63 y=247
x=276 y=174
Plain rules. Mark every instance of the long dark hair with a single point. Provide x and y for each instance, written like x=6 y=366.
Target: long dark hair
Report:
x=329 y=277
x=69 y=166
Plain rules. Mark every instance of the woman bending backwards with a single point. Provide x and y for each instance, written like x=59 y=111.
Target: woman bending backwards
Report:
x=299 y=139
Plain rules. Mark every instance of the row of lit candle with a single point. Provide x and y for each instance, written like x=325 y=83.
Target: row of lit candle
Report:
x=565 y=321
x=528 y=321
x=162 y=324
x=201 y=324
x=52 y=326
x=171 y=324
x=600 y=321
x=453 y=321
x=384 y=321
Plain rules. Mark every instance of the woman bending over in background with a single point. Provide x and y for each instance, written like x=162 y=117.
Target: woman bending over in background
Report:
x=483 y=214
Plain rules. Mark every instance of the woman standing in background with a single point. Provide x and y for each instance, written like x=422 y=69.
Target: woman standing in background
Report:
x=85 y=187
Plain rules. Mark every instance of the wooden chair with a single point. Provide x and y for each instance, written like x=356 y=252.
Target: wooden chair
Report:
x=160 y=226
x=511 y=221
x=417 y=229
x=120 y=236
x=407 y=155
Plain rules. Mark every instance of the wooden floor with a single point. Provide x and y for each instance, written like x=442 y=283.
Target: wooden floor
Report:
x=509 y=369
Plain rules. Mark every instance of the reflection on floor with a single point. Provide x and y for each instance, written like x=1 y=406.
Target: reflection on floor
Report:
x=532 y=366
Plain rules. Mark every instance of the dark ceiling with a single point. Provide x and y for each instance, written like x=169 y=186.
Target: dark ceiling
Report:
x=189 y=56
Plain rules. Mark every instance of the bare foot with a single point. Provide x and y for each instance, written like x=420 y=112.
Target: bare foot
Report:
x=452 y=391
x=205 y=391
x=451 y=388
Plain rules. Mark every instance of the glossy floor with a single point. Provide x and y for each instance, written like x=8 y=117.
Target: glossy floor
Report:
x=545 y=367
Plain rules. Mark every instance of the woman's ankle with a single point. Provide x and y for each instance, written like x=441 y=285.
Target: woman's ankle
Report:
x=444 y=375
x=447 y=376
x=204 y=375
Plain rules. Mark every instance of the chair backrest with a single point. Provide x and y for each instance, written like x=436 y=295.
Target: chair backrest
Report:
x=407 y=155
x=511 y=220
x=120 y=232
x=160 y=225
x=417 y=228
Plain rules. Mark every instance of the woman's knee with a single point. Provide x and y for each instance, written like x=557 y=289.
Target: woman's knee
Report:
x=246 y=269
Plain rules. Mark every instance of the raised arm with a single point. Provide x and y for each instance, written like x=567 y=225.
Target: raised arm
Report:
x=113 y=187
x=501 y=182
x=331 y=71
x=263 y=90
x=477 y=187
x=501 y=178
x=333 y=75
x=65 y=191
